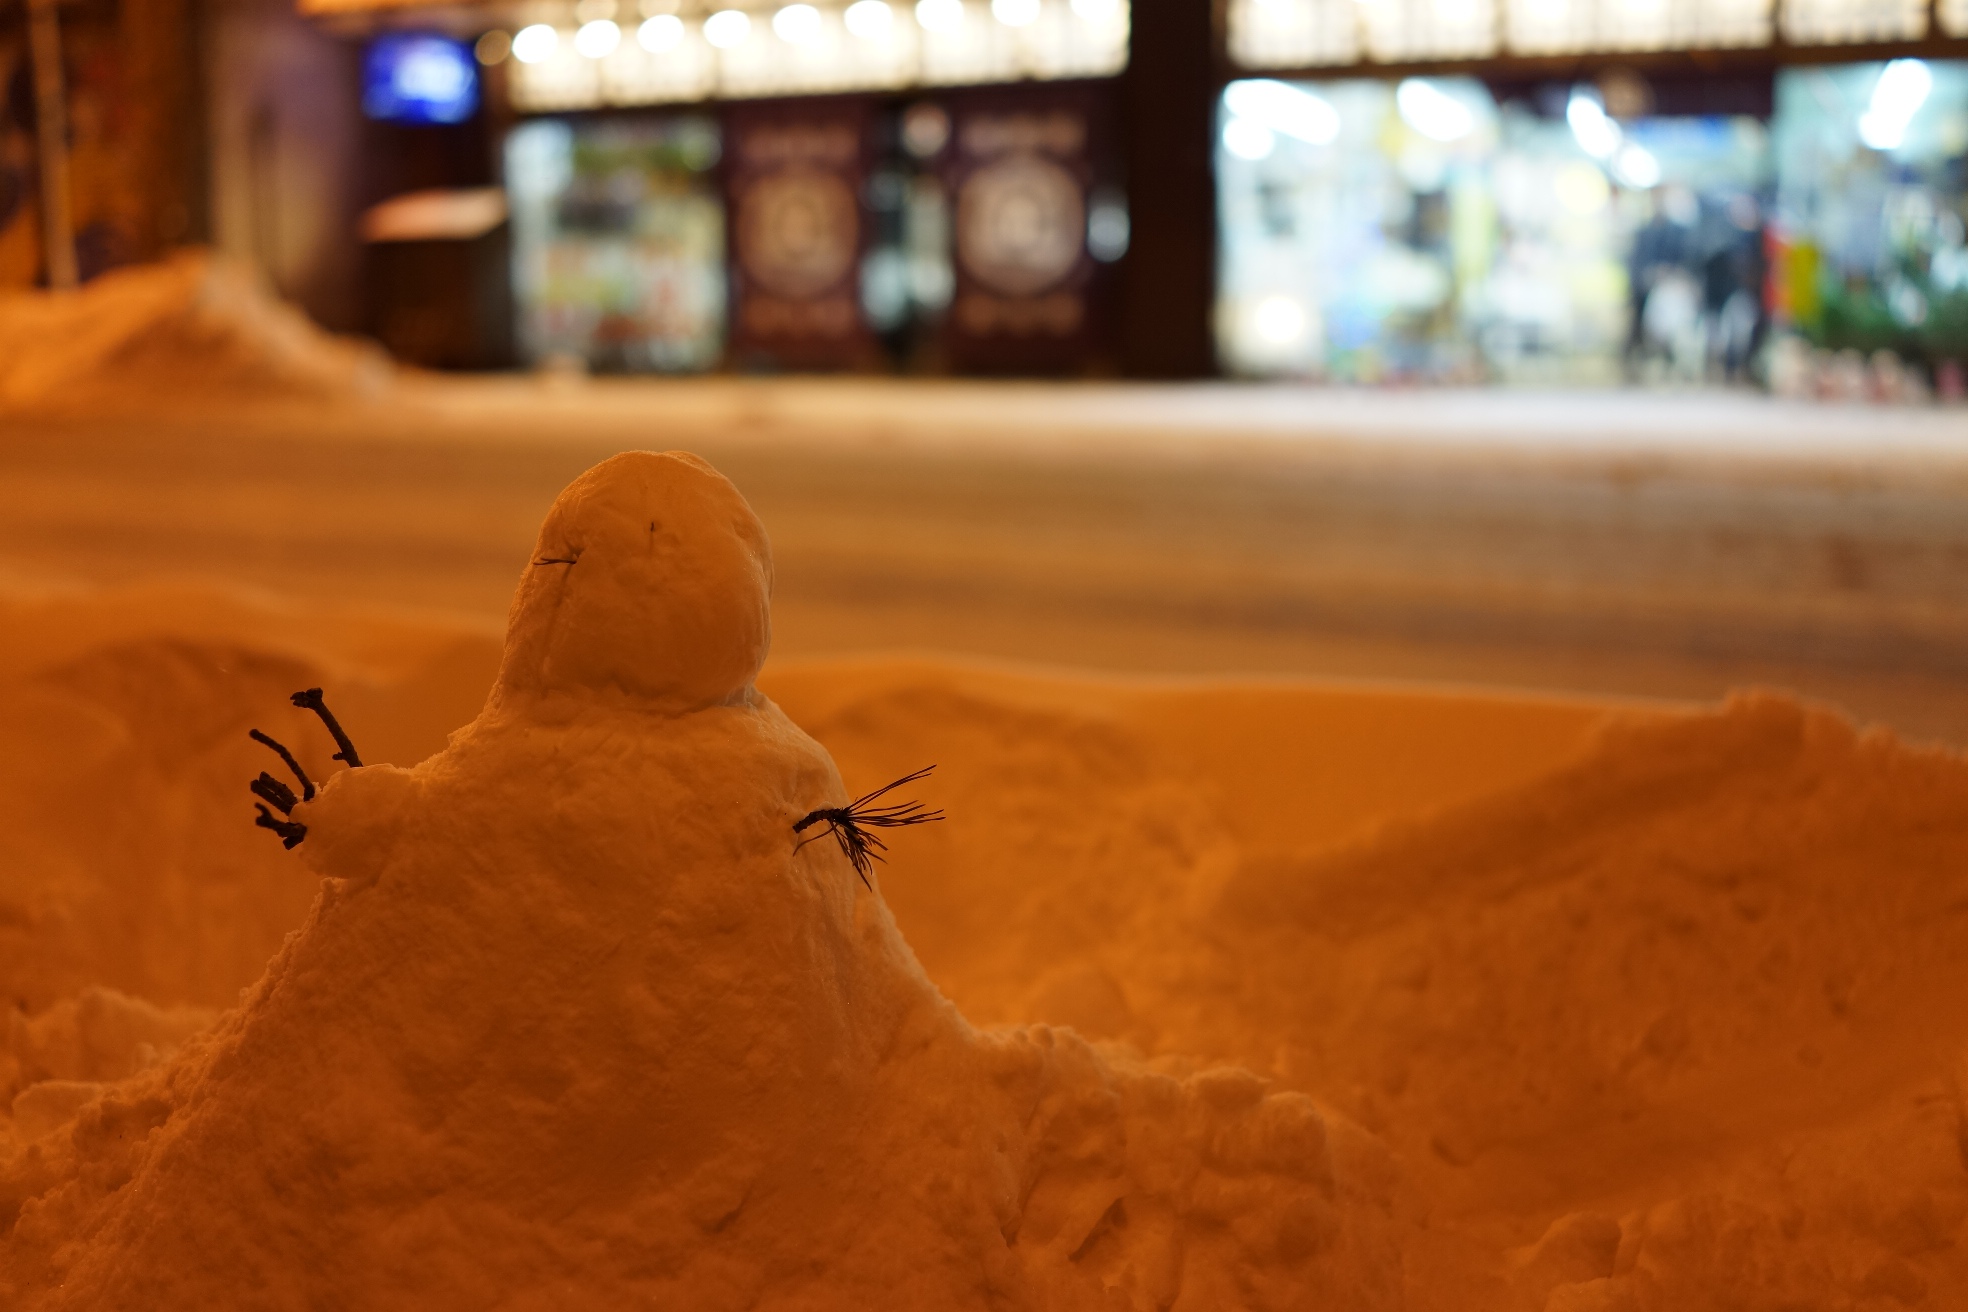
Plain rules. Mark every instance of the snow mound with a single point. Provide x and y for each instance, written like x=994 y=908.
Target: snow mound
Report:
x=1655 y=1010
x=575 y=1022
x=1681 y=1023
x=193 y=323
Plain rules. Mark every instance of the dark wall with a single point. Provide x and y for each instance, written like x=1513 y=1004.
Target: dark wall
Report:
x=1168 y=97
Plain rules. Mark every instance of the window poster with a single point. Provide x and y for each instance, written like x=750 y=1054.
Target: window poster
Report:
x=795 y=175
x=1021 y=173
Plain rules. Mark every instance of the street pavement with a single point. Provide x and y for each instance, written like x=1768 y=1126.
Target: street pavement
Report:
x=1646 y=545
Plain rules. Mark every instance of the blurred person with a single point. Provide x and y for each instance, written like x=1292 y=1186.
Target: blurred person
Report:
x=1657 y=263
x=1733 y=273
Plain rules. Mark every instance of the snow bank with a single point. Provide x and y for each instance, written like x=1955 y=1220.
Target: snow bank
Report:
x=1378 y=998
x=576 y=1021
x=1694 y=999
x=194 y=323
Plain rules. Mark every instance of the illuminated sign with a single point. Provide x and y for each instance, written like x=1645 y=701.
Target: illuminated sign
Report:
x=419 y=78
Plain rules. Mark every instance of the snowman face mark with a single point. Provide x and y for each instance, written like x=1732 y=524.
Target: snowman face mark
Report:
x=849 y=824
x=273 y=792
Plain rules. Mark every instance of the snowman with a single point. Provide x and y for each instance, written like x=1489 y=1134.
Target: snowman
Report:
x=580 y=1019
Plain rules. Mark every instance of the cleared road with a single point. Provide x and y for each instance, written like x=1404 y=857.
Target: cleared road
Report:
x=1642 y=544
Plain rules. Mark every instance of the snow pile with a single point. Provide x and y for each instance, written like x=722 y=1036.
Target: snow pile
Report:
x=574 y=1024
x=123 y=717
x=1378 y=998
x=1695 y=1002
x=185 y=326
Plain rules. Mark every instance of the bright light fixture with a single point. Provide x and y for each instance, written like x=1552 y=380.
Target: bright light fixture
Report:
x=598 y=38
x=1597 y=135
x=727 y=28
x=1636 y=166
x=535 y=44
x=1279 y=320
x=1248 y=140
x=1015 y=13
x=1902 y=89
x=660 y=33
x=1432 y=111
x=940 y=15
x=797 y=24
x=869 y=19
x=1285 y=109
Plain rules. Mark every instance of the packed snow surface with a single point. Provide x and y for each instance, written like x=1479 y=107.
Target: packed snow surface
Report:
x=180 y=328
x=1203 y=997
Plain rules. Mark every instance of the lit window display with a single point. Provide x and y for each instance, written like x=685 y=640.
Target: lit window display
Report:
x=1421 y=231
x=618 y=243
x=799 y=49
x=974 y=230
x=1871 y=267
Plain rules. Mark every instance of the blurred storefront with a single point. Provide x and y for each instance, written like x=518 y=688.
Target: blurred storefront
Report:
x=117 y=80
x=858 y=186
x=1666 y=192
x=1448 y=230
x=1870 y=270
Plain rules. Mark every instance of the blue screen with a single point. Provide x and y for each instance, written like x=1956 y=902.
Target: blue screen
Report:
x=419 y=78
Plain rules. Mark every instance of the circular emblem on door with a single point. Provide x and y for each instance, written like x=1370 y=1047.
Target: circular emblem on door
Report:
x=798 y=232
x=1021 y=224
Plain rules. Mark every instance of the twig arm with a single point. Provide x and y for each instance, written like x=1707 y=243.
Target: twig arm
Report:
x=307 y=784
x=311 y=699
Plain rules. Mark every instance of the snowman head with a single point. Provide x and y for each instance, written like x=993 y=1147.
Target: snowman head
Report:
x=649 y=585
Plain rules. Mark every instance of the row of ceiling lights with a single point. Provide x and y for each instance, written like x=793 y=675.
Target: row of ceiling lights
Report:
x=795 y=24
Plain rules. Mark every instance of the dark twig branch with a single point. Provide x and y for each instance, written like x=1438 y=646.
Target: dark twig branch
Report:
x=279 y=796
x=274 y=793
x=307 y=784
x=291 y=831
x=849 y=824
x=311 y=699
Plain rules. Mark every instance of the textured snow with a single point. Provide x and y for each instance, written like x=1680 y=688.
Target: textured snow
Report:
x=1377 y=998
x=184 y=327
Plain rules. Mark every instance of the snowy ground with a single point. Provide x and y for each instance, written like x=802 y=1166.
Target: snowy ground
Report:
x=1648 y=545
x=1600 y=1009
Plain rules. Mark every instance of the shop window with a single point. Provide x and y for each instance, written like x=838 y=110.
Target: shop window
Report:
x=1870 y=262
x=1423 y=230
x=618 y=243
